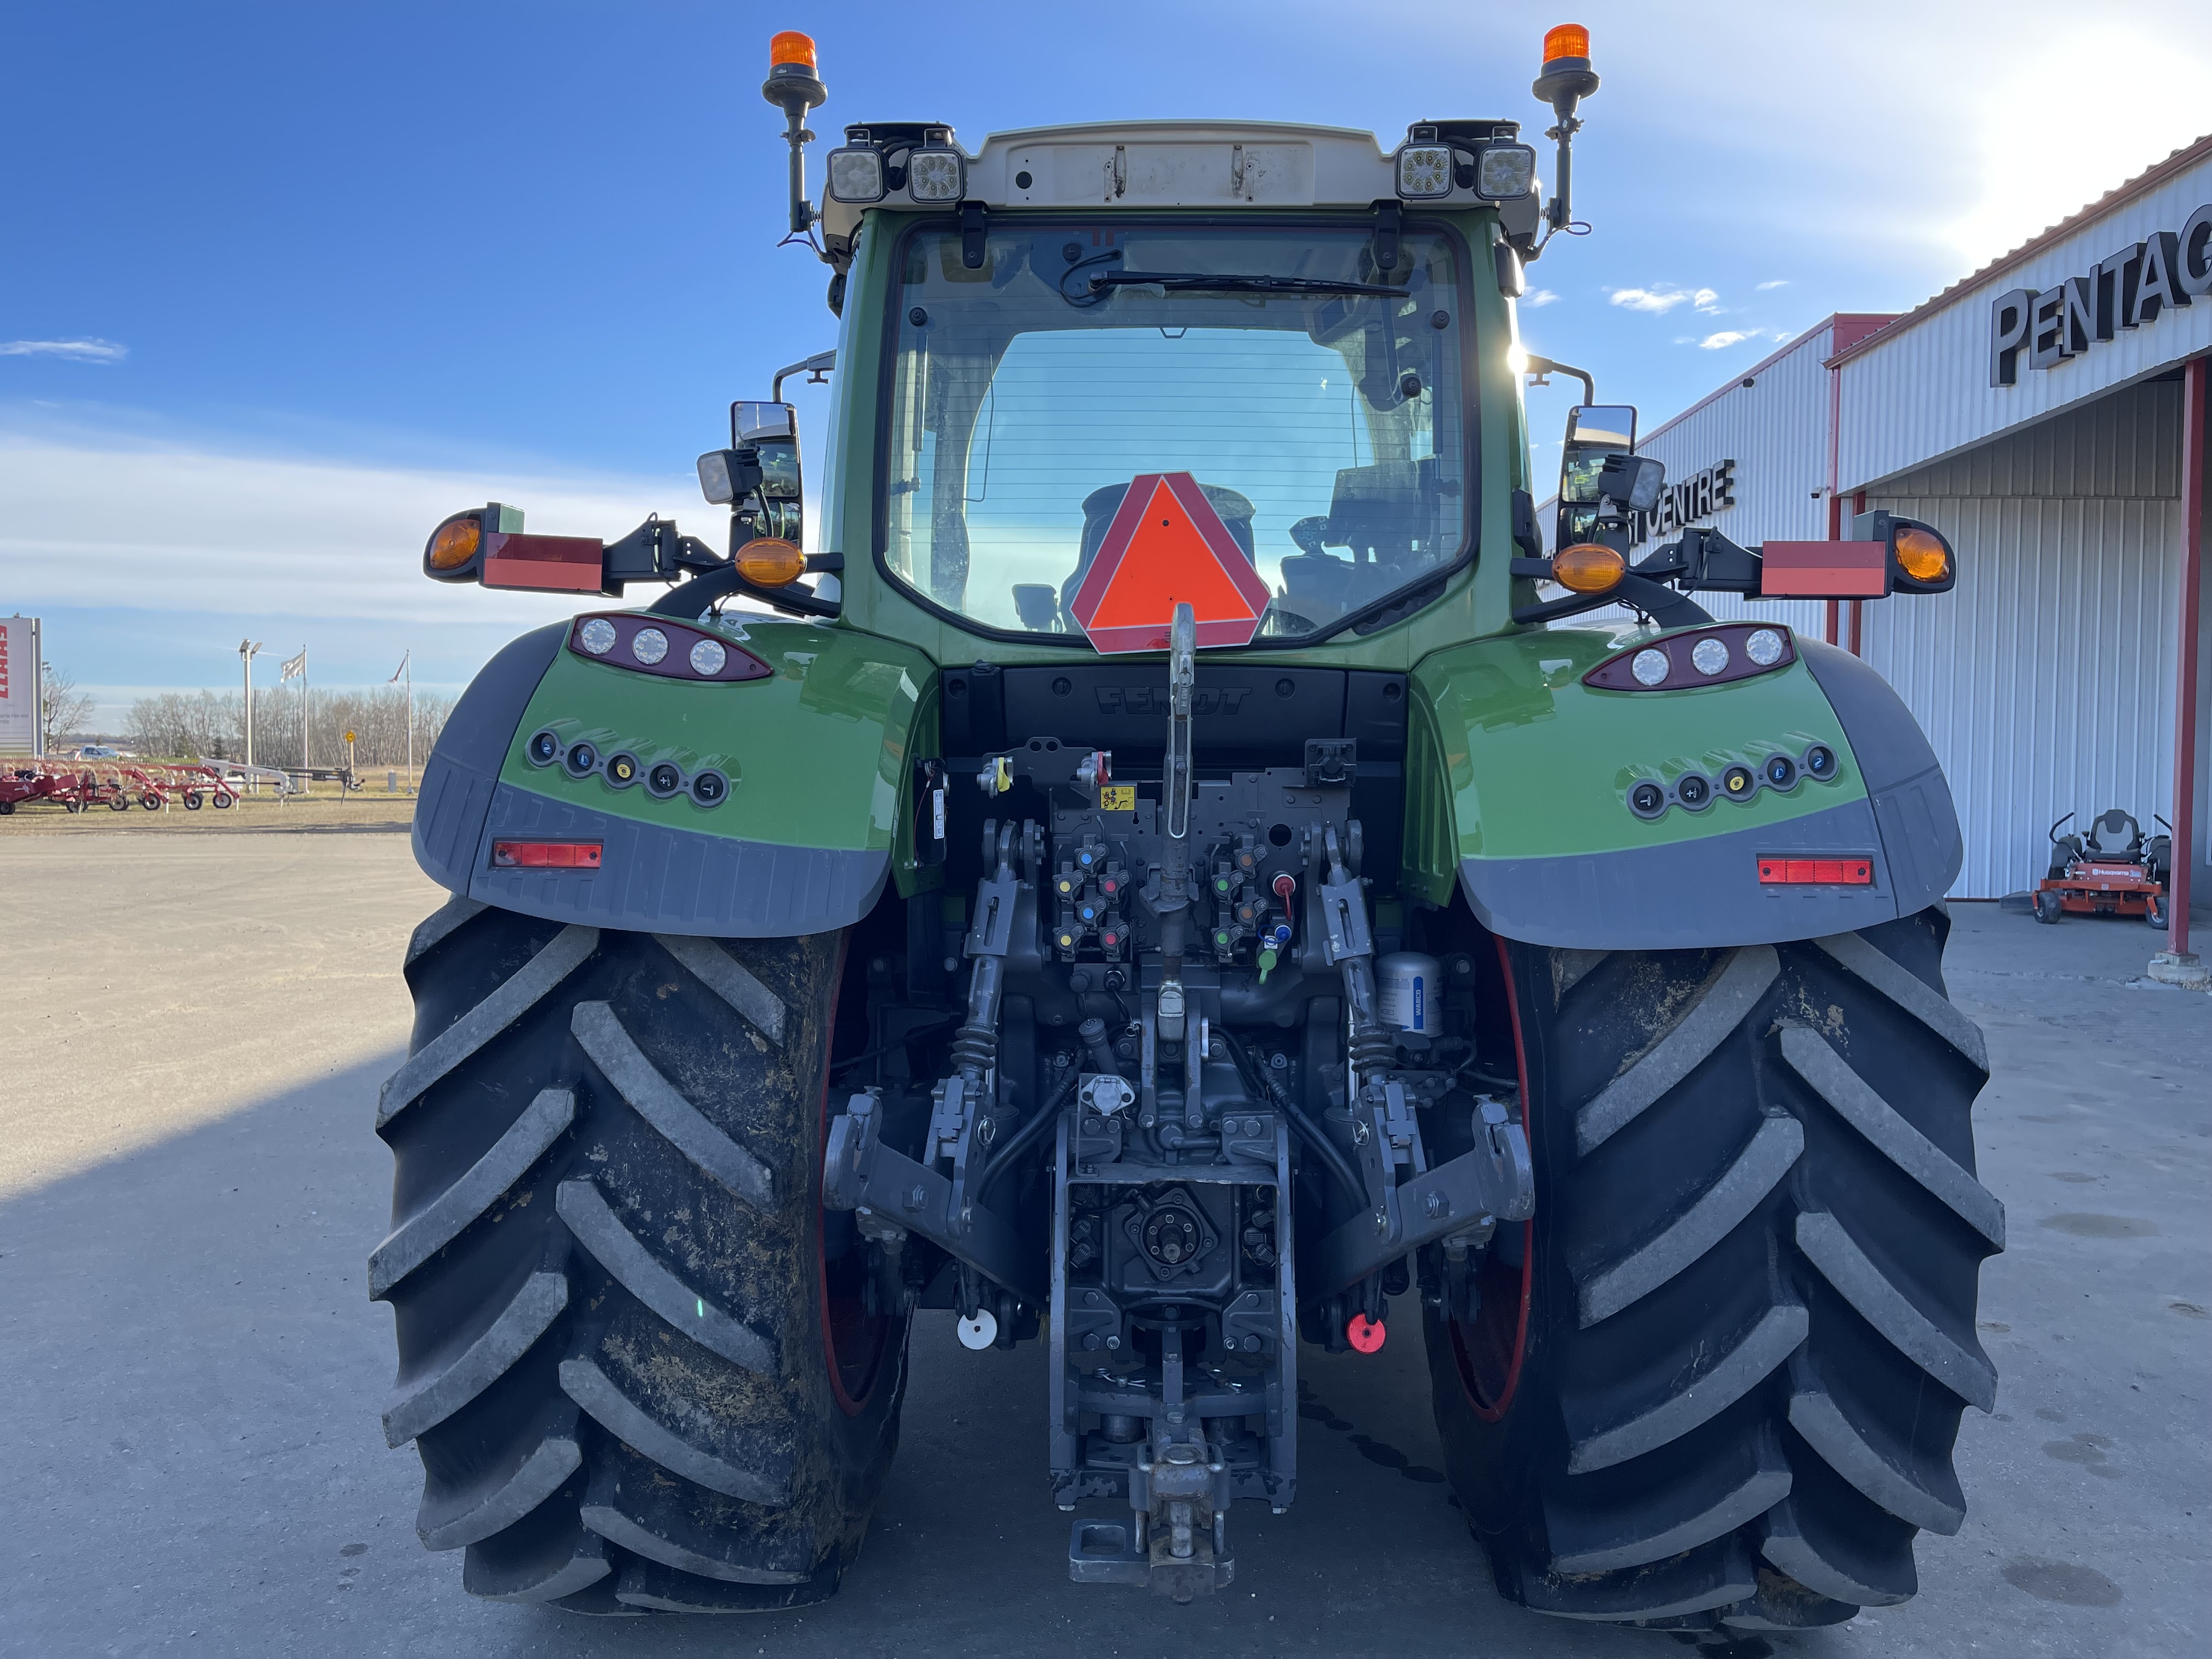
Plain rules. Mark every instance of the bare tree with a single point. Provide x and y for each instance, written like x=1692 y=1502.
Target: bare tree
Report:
x=187 y=726
x=66 y=708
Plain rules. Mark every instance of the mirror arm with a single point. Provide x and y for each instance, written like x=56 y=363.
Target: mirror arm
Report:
x=690 y=600
x=1665 y=608
x=815 y=368
x=1547 y=366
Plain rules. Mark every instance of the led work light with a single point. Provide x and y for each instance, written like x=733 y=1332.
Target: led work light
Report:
x=1425 y=171
x=1504 y=171
x=936 y=175
x=856 y=174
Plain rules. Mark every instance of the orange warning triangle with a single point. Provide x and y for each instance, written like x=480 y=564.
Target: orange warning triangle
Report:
x=1166 y=547
x=1168 y=562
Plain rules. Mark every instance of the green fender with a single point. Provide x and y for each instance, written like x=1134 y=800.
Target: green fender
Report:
x=1519 y=777
x=818 y=756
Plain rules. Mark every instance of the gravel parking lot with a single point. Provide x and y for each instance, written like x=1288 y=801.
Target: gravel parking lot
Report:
x=189 y=1187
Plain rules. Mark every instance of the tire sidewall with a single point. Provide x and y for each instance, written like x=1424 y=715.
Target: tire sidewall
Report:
x=1495 y=1457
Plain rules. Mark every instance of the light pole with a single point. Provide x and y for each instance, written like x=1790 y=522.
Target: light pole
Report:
x=247 y=650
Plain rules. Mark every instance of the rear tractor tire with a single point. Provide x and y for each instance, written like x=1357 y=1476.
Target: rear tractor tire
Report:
x=640 y=1374
x=1717 y=1381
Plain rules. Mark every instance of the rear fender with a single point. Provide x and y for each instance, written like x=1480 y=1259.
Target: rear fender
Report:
x=817 y=757
x=1519 y=778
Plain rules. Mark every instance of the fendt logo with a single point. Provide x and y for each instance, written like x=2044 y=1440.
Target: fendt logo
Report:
x=1150 y=700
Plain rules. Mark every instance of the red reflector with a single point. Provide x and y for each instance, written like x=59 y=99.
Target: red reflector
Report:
x=546 y=564
x=546 y=854
x=1364 y=1334
x=1824 y=570
x=1837 y=872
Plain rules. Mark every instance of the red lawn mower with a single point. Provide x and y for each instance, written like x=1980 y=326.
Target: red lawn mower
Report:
x=2112 y=871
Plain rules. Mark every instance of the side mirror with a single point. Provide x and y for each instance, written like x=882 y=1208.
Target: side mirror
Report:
x=758 y=478
x=1596 y=432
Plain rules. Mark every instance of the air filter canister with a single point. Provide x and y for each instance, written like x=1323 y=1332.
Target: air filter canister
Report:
x=1407 y=984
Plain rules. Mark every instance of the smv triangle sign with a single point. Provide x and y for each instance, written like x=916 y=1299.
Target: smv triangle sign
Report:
x=1167 y=546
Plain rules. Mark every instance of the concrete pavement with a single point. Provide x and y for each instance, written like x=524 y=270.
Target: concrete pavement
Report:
x=189 y=1187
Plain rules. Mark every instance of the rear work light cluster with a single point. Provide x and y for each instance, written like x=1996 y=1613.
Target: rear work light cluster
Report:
x=619 y=769
x=1694 y=790
x=1703 y=656
x=653 y=645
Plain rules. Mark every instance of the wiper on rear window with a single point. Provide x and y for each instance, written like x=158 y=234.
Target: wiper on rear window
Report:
x=1200 y=282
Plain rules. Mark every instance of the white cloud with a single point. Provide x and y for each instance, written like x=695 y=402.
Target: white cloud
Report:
x=80 y=351
x=1727 y=337
x=1779 y=282
x=1539 y=296
x=154 y=546
x=1659 y=299
x=1664 y=297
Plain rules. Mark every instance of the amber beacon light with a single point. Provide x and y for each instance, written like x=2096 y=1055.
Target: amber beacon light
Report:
x=1561 y=41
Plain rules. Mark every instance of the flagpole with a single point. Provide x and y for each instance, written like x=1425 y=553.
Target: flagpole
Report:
x=408 y=663
x=306 y=764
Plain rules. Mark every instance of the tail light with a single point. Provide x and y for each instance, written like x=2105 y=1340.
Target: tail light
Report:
x=1702 y=656
x=655 y=645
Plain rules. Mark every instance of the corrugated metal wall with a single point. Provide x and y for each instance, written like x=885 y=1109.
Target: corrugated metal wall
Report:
x=1776 y=431
x=2045 y=679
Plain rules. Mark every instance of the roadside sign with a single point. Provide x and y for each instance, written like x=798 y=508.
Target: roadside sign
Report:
x=349 y=737
x=21 y=718
x=1167 y=546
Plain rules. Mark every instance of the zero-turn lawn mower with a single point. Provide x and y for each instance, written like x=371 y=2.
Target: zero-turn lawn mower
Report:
x=2112 y=871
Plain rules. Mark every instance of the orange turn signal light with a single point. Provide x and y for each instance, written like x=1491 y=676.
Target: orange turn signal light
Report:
x=790 y=46
x=1566 y=40
x=455 y=544
x=1589 y=567
x=1921 y=556
x=767 y=562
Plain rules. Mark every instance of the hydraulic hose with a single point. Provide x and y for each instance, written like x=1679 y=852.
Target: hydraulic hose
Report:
x=1025 y=1137
x=1307 y=1130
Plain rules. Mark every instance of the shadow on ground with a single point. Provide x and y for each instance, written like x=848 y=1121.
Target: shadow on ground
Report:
x=195 y=1377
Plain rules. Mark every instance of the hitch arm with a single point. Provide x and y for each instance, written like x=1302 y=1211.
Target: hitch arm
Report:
x=859 y=1173
x=1494 y=1183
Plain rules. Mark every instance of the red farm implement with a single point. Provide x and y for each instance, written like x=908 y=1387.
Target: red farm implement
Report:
x=196 y=785
x=2113 y=870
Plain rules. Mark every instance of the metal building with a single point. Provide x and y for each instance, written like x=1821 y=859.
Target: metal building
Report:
x=2048 y=413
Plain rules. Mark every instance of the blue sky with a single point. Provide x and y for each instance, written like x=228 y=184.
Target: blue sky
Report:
x=282 y=284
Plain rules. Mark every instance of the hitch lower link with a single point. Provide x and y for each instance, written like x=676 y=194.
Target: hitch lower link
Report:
x=892 y=1195
x=1410 y=1204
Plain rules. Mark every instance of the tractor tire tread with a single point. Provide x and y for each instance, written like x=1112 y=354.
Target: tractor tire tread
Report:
x=1759 y=1230
x=603 y=1269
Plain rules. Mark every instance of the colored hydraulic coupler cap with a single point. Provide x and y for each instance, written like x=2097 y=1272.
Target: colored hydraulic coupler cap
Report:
x=1364 y=1334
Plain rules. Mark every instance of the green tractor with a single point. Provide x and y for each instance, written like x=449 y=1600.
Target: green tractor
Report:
x=1164 y=881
